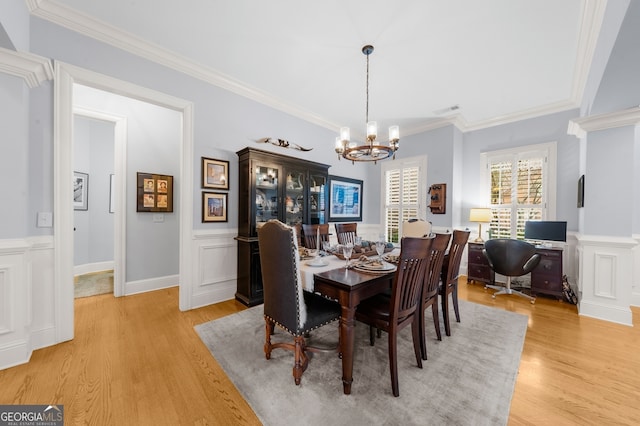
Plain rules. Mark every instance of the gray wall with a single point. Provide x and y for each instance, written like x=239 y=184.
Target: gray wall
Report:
x=93 y=150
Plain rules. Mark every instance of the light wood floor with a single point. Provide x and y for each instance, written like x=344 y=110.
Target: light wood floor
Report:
x=137 y=360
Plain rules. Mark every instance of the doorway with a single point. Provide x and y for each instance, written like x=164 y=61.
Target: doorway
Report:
x=65 y=77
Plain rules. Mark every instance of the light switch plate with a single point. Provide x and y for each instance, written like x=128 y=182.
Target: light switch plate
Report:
x=45 y=220
x=158 y=218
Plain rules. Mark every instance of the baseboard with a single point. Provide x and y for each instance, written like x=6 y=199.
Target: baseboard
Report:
x=151 y=284
x=89 y=268
x=16 y=354
x=618 y=315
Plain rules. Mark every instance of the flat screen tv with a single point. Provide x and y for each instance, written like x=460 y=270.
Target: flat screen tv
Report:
x=542 y=230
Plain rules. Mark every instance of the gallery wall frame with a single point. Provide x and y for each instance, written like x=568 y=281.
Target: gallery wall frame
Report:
x=214 y=207
x=155 y=193
x=345 y=199
x=80 y=191
x=215 y=173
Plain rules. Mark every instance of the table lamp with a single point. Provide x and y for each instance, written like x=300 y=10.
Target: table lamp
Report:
x=480 y=215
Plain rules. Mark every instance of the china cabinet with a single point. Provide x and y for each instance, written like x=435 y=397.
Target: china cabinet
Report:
x=273 y=186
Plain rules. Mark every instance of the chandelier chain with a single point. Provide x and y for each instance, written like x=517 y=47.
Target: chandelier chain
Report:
x=367 y=91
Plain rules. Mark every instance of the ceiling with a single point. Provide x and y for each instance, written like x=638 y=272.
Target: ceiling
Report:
x=496 y=60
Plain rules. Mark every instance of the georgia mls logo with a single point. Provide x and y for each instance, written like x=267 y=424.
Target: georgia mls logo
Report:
x=31 y=415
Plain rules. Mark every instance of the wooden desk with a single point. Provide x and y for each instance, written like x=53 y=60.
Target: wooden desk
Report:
x=349 y=287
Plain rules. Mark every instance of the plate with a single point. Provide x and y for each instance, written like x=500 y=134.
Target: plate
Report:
x=391 y=258
x=376 y=267
x=316 y=263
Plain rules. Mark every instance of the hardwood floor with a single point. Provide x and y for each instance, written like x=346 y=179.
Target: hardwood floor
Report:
x=137 y=360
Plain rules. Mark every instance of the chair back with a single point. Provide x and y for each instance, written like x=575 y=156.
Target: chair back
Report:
x=311 y=235
x=451 y=267
x=511 y=258
x=434 y=267
x=346 y=233
x=279 y=262
x=409 y=279
x=416 y=228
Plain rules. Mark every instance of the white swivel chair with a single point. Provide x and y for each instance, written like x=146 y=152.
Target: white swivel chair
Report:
x=416 y=228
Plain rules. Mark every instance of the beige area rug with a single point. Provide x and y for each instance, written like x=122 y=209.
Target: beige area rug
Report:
x=468 y=379
x=93 y=284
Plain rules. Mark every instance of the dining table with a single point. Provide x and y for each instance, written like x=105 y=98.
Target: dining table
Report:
x=348 y=286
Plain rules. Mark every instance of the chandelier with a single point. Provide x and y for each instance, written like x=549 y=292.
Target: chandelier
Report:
x=370 y=151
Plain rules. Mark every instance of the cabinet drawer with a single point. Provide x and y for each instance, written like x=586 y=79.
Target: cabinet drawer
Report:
x=546 y=282
x=478 y=271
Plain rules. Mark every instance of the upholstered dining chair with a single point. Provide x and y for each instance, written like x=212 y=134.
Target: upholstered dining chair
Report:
x=416 y=228
x=450 y=274
x=511 y=258
x=286 y=304
x=311 y=235
x=431 y=287
x=346 y=233
x=394 y=313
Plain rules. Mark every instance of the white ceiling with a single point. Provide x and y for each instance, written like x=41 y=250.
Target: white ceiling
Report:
x=499 y=60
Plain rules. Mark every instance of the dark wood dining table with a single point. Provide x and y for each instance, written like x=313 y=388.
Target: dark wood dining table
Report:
x=349 y=287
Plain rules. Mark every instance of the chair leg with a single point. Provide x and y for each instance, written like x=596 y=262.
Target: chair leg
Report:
x=422 y=331
x=393 y=362
x=436 y=319
x=454 y=298
x=445 y=312
x=301 y=361
x=372 y=336
x=508 y=290
x=417 y=338
x=269 y=327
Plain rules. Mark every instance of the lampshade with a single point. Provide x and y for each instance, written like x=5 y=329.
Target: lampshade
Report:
x=482 y=215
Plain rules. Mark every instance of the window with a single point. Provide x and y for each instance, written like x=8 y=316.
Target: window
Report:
x=521 y=186
x=404 y=197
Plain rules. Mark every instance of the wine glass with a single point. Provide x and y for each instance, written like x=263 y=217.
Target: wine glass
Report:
x=380 y=245
x=347 y=250
x=326 y=245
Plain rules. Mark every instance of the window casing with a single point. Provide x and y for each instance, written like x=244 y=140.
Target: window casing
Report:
x=520 y=185
x=404 y=196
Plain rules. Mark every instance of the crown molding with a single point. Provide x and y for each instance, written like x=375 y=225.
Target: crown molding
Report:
x=627 y=117
x=33 y=69
x=50 y=10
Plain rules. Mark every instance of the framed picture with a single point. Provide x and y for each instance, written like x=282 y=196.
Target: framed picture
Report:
x=214 y=207
x=215 y=173
x=112 y=194
x=345 y=199
x=80 y=191
x=155 y=193
x=581 y=191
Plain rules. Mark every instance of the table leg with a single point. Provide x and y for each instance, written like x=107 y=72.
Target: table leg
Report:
x=347 y=339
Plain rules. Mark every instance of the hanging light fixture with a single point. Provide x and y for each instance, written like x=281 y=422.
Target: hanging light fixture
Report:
x=370 y=151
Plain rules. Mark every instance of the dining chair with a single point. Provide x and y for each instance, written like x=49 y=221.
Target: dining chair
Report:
x=450 y=274
x=392 y=314
x=416 y=228
x=511 y=258
x=431 y=288
x=286 y=304
x=346 y=233
x=310 y=233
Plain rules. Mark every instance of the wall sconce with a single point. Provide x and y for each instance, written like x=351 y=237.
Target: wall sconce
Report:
x=480 y=215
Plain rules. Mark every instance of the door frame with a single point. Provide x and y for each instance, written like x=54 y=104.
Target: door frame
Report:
x=66 y=76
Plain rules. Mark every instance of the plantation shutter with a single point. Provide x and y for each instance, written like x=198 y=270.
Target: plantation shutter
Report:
x=518 y=185
x=402 y=199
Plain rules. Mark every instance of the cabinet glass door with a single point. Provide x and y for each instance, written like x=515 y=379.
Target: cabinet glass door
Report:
x=266 y=207
x=318 y=199
x=295 y=201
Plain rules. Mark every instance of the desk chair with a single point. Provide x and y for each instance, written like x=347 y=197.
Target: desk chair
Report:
x=346 y=233
x=311 y=235
x=394 y=313
x=511 y=258
x=286 y=305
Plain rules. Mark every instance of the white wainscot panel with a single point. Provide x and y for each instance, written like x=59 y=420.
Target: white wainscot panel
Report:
x=216 y=266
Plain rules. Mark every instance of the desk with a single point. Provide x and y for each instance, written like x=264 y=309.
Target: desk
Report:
x=349 y=287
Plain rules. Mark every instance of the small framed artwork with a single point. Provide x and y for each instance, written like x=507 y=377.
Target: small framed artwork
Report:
x=214 y=207
x=345 y=199
x=112 y=194
x=581 y=192
x=80 y=191
x=215 y=173
x=155 y=193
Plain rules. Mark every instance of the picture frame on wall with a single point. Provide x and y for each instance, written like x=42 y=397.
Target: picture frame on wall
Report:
x=345 y=199
x=215 y=173
x=214 y=207
x=80 y=191
x=155 y=193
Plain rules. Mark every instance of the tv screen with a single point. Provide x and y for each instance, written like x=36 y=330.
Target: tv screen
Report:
x=545 y=230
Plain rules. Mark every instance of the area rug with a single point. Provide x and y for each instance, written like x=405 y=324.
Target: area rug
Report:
x=93 y=283
x=467 y=380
